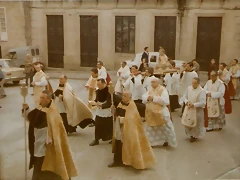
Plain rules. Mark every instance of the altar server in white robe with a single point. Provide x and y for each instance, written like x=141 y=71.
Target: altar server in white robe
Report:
x=123 y=74
x=186 y=80
x=102 y=72
x=225 y=77
x=172 y=81
x=215 y=90
x=134 y=84
x=159 y=127
x=193 y=116
x=146 y=81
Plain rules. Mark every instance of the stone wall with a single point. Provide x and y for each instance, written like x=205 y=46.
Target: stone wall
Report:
x=186 y=11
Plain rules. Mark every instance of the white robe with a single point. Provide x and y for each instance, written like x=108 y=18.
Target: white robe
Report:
x=147 y=83
x=102 y=73
x=200 y=103
x=125 y=73
x=186 y=81
x=135 y=88
x=172 y=83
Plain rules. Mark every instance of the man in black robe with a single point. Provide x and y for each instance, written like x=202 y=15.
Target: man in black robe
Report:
x=104 y=119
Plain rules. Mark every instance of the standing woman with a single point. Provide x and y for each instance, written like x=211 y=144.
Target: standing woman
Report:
x=212 y=67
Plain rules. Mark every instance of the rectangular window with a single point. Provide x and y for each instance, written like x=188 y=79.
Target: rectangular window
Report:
x=3 y=25
x=125 y=34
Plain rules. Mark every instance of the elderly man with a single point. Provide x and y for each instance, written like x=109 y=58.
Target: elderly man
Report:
x=123 y=74
x=134 y=84
x=193 y=116
x=49 y=151
x=159 y=127
x=131 y=146
x=215 y=90
x=29 y=69
x=39 y=83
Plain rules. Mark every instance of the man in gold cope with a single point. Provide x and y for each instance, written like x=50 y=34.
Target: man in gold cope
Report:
x=131 y=146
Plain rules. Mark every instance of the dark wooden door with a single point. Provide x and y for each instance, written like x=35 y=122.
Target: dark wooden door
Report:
x=208 y=40
x=55 y=40
x=165 y=34
x=89 y=40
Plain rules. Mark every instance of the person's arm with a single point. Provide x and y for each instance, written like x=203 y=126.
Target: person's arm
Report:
x=43 y=82
x=184 y=99
x=126 y=84
x=219 y=93
x=145 y=97
x=163 y=99
x=125 y=74
x=202 y=100
x=27 y=112
x=206 y=88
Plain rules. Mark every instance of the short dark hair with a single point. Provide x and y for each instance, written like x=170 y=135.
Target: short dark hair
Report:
x=223 y=64
x=190 y=64
x=100 y=62
x=48 y=93
x=145 y=48
x=236 y=60
x=124 y=62
x=95 y=70
x=102 y=80
x=1 y=66
x=135 y=66
x=197 y=79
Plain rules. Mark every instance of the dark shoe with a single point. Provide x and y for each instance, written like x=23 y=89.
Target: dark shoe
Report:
x=0 y=106
x=220 y=129
x=110 y=142
x=165 y=144
x=94 y=143
x=91 y=125
x=32 y=94
x=114 y=165
x=193 y=139
x=209 y=130
x=181 y=115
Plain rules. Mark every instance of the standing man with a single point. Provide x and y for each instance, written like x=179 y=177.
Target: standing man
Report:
x=224 y=73
x=146 y=81
x=215 y=90
x=2 y=80
x=29 y=69
x=172 y=81
x=123 y=74
x=134 y=83
x=193 y=116
x=103 y=120
x=130 y=145
x=159 y=129
x=39 y=83
x=145 y=54
x=186 y=81
x=234 y=72
x=91 y=84
x=50 y=155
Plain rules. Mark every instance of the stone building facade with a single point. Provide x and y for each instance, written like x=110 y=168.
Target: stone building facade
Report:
x=74 y=34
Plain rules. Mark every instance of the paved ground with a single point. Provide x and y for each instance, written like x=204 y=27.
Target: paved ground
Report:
x=216 y=156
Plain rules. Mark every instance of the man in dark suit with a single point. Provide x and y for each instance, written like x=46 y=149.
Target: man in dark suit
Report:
x=145 y=54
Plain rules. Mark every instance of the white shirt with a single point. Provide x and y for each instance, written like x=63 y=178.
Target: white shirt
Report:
x=186 y=81
x=163 y=100
x=40 y=141
x=125 y=73
x=43 y=81
x=172 y=83
x=136 y=87
x=102 y=73
x=60 y=105
x=147 y=83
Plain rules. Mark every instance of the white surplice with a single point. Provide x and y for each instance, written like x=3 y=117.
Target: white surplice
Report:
x=217 y=90
x=102 y=73
x=199 y=103
x=134 y=85
x=124 y=75
x=172 y=83
x=186 y=81
x=158 y=135
x=147 y=83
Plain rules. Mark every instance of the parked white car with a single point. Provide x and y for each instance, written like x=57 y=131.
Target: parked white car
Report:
x=152 y=61
x=11 y=72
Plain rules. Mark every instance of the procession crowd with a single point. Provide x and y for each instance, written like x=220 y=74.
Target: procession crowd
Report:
x=134 y=115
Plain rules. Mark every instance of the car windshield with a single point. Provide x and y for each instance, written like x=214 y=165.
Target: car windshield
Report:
x=7 y=64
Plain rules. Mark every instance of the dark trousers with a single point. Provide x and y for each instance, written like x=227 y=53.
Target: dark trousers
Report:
x=43 y=175
x=183 y=107
x=29 y=76
x=118 y=152
x=68 y=128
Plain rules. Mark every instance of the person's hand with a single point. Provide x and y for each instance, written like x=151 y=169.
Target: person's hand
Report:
x=33 y=84
x=119 y=73
x=113 y=109
x=86 y=86
x=150 y=98
x=190 y=105
x=60 y=97
x=99 y=105
x=25 y=106
x=209 y=95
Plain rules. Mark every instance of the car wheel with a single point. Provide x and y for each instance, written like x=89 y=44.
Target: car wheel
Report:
x=16 y=82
